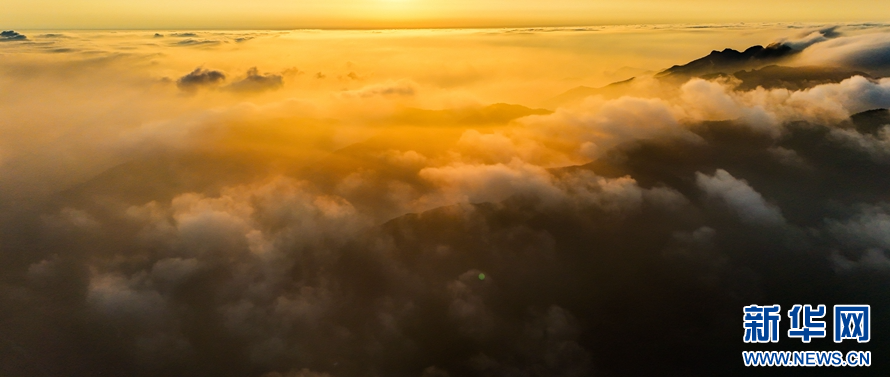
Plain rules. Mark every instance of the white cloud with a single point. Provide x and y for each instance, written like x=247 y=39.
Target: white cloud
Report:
x=748 y=204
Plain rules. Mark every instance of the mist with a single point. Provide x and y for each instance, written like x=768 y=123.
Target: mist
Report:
x=435 y=202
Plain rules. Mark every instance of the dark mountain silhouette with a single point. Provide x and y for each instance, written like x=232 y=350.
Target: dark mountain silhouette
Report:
x=752 y=67
x=11 y=35
x=613 y=90
x=793 y=78
x=871 y=121
x=730 y=60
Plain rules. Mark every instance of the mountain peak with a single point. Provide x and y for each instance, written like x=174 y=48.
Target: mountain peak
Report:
x=730 y=60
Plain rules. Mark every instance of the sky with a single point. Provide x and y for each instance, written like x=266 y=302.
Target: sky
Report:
x=346 y=14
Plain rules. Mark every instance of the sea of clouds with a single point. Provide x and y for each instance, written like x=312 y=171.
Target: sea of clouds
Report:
x=189 y=204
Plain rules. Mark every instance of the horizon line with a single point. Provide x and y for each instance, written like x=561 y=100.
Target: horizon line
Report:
x=529 y=26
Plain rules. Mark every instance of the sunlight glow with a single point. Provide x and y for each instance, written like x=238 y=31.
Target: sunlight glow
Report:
x=364 y=14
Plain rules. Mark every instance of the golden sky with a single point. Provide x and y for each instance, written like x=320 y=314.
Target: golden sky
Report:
x=289 y=14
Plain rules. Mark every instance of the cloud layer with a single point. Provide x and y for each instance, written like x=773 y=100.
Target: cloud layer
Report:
x=398 y=218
